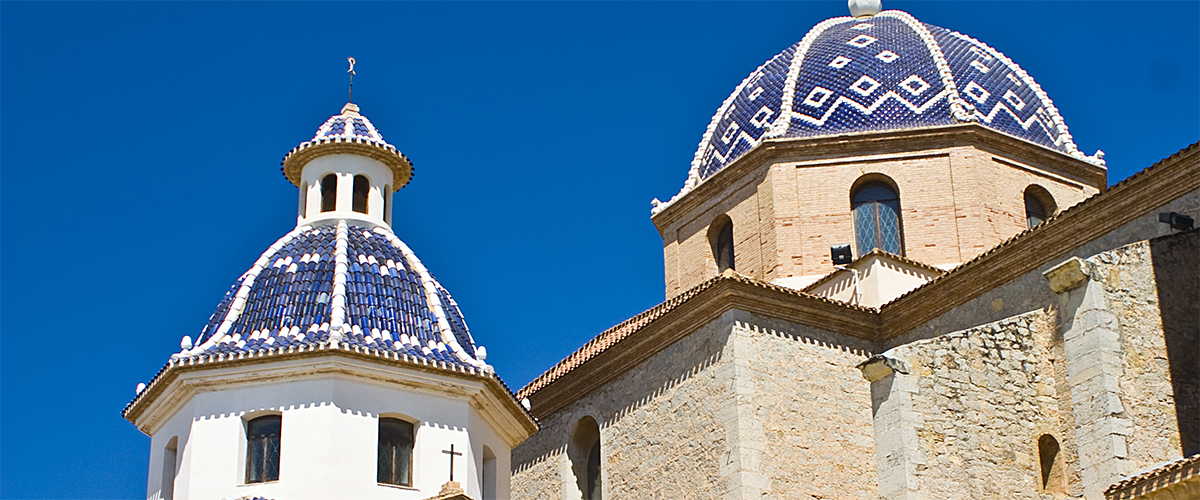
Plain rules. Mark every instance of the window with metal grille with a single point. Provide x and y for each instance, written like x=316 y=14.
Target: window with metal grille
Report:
x=329 y=193
x=262 y=449
x=876 y=208
x=362 y=192
x=395 y=451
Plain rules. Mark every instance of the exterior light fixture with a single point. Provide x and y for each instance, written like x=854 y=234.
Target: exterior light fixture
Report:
x=1178 y=221
x=841 y=254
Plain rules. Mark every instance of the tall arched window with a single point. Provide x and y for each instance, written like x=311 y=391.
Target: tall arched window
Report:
x=720 y=236
x=395 y=451
x=1052 y=473
x=362 y=192
x=876 y=208
x=1039 y=205
x=488 y=481
x=329 y=193
x=170 y=458
x=585 y=453
x=262 y=449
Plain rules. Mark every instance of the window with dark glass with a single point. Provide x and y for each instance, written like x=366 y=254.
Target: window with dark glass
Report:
x=362 y=192
x=1035 y=213
x=725 y=248
x=262 y=449
x=876 y=208
x=395 y=451
x=329 y=193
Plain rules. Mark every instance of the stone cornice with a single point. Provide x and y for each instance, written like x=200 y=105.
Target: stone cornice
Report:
x=183 y=378
x=896 y=144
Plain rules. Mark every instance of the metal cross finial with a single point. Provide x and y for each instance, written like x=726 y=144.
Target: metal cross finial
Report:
x=351 y=71
x=452 y=454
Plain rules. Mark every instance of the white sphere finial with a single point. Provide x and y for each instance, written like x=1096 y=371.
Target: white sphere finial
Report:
x=864 y=8
x=186 y=343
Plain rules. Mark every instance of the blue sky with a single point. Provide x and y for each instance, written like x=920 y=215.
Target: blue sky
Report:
x=140 y=147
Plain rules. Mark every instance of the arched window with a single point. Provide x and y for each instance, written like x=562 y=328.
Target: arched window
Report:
x=170 y=454
x=329 y=193
x=720 y=236
x=585 y=453
x=395 y=451
x=262 y=449
x=362 y=192
x=1039 y=205
x=1052 y=473
x=488 y=481
x=876 y=208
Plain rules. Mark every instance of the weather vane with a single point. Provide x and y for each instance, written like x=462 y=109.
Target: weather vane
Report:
x=351 y=71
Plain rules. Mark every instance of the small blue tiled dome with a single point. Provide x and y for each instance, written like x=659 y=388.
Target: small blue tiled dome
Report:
x=339 y=284
x=884 y=72
x=348 y=132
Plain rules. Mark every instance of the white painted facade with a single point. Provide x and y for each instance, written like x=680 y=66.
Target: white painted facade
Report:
x=330 y=406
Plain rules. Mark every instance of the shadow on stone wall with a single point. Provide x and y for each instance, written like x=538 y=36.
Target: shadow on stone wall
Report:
x=1177 y=275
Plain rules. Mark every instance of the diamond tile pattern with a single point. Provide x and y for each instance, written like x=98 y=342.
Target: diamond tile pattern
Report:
x=888 y=72
x=388 y=304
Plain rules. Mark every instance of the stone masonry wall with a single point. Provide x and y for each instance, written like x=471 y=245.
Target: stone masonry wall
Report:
x=978 y=401
x=812 y=406
x=744 y=408
x=666 y=428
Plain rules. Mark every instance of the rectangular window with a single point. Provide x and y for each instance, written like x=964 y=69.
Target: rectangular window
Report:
x=395 y=451
x=262 y=449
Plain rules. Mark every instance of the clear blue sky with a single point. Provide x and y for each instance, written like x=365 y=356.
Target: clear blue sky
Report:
x=140 y=147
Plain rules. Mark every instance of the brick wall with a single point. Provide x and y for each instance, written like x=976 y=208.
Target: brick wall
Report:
x=955 y=204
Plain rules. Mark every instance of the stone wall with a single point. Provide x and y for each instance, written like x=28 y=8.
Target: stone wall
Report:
x=1177 y=277
x=973 y=405
x=799 y=391
x=667 y=427
x=746 y=407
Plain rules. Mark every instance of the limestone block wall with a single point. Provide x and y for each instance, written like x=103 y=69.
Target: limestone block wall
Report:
x=666 y=428
x=806 y=410
x=973 y=405
x=746 y=407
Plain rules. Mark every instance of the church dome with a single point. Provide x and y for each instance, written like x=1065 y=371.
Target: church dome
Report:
x=339 y=284
x=879 y=73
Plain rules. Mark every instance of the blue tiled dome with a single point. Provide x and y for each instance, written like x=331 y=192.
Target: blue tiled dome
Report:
x=343 y=283
x=885 y=72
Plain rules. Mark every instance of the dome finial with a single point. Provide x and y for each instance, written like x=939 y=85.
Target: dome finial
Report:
x=351 y=71
x=864 y=8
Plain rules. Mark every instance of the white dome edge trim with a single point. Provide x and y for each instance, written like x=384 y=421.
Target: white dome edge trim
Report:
x=1069 y=141
x=341 y=266
x=961 y=109
x=235 y=308
x=784 y=120
x=431 y=296
x=693 y=178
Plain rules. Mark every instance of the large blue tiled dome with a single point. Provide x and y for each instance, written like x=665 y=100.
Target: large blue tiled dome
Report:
x=339 y=283
x=883 y=72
